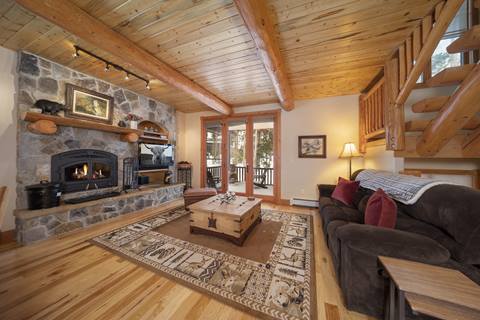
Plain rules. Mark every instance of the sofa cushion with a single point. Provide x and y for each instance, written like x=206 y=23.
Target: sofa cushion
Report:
x=334 y=244
x=381 y=210
x=345 y=191
x=454 y=210
x=409 y=224
x=343 y=213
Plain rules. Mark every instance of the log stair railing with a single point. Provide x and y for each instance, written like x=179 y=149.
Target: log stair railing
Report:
x=453 y=131
x=371 y=115
x=407 y=64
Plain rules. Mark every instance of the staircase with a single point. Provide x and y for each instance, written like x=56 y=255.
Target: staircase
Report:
x=453 y=131
x=454 y=128
x=447 y=126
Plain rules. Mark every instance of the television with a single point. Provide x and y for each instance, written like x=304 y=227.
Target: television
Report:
x=155 y=156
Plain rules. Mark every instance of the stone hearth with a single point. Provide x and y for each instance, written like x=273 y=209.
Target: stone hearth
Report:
x=35 y=225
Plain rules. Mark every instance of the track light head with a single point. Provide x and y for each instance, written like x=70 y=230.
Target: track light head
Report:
x=148 y=85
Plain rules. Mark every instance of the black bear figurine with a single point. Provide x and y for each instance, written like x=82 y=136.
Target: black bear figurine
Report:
x=49 y=107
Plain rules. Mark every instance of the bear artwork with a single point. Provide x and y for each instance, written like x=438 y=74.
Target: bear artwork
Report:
x=49 y=107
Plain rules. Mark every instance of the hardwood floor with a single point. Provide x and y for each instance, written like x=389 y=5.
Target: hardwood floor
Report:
x=70 y=278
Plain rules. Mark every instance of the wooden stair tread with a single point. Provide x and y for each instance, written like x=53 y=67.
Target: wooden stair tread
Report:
x=450 y=76
x=430 y=104
x=420 y=125
x=470 y=40
x=452 y=150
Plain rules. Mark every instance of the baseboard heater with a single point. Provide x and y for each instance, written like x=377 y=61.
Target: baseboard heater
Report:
x=304 y=202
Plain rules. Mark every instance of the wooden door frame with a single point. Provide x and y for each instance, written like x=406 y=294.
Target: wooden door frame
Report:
x=250 y=116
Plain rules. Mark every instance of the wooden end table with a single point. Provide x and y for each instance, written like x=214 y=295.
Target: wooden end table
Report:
x=230 y=221
x=430 y=290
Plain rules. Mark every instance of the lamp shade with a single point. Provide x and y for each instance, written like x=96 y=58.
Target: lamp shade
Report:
x=350 y=151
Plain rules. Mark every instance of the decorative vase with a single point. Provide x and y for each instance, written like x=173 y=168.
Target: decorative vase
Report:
x=133 y=124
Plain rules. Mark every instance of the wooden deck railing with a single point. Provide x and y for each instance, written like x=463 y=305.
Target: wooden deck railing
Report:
x=241 y=173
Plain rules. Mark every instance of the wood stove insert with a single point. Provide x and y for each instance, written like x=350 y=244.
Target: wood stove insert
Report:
x=84 y=169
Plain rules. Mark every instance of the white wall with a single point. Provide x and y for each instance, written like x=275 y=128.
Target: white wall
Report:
x=8 y=134
x=380 y=159
x=335 y=117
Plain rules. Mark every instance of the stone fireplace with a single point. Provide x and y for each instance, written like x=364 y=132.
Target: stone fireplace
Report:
x=84 y=169
x=42 y=79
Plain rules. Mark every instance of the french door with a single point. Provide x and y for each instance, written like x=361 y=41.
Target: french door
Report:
x=241 y=153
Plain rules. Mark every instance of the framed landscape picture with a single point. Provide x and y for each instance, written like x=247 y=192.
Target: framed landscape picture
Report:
x=87 y=104
x=312 y=146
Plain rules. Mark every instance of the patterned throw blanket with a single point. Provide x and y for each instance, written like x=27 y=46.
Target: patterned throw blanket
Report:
x=403 y=188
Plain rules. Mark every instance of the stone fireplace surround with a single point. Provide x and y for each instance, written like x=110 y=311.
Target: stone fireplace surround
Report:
x=42 y=79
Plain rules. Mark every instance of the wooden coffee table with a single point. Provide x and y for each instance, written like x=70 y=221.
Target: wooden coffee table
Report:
x=431 y=290
x=231 y=221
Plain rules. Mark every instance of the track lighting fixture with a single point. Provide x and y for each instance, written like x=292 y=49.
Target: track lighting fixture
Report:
x=109 y=65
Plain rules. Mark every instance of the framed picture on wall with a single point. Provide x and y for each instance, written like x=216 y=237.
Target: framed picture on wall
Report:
x=87 y=104
x=312 y=146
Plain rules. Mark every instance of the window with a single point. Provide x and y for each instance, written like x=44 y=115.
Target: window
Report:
x=441 y=59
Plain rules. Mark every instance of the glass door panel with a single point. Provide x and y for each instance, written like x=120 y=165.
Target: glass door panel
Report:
x=213 y=155
x=237 y=155
x=263 y=156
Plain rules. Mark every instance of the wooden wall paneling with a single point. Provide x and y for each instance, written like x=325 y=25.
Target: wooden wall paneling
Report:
x=94 y=31
x=409 y=54
x=402 y=64
x=377 y=110
x=459 y=109
x=427 y=24
x=416 y=42
x=438 y=10
x=441 y=24
x=394 y=114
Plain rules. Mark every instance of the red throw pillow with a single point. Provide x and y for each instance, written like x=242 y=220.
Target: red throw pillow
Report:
x=381 y=210
x=345 y=190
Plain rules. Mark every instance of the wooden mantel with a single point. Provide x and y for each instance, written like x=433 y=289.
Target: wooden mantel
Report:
x=47 y=124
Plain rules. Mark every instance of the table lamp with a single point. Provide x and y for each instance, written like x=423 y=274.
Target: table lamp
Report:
x=350 y=151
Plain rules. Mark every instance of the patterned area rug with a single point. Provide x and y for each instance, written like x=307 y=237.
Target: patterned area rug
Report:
x=281 y=288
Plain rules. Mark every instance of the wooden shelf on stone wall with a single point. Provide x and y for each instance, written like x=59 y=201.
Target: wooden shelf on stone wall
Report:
x=47 y=124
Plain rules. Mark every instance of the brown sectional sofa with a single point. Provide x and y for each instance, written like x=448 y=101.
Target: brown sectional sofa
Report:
x=441 y=228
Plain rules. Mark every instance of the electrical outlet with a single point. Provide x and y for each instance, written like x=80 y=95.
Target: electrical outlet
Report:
x=302 y=191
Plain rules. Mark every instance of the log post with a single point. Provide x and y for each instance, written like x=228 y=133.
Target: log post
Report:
x=394 y=114
x=459 y=109
x=362 y=145
x=256 y=18
x=42 y=127
x=129 y=137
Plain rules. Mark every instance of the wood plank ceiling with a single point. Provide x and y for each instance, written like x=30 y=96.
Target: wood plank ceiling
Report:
x=330 y=47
